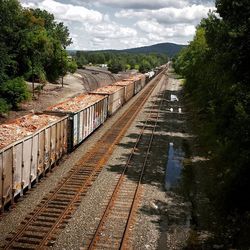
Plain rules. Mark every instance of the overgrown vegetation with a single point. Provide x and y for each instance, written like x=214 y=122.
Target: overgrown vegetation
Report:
x=216 y=68
x=32 y=46
x=118 y=61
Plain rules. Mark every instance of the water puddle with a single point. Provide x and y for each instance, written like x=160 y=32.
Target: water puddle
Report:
x=174 y=166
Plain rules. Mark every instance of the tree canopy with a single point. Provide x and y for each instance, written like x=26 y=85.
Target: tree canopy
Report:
x=32 y=45
x=118 y=61
x=216 y=68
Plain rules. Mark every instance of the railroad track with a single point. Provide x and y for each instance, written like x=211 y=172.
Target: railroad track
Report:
x=86 y=81
x=40 y=229
x=115 y=225
x=95 y=81
x=89 y=81
x=104 y=72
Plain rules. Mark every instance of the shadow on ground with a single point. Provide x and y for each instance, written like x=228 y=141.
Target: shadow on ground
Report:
x=187 y=218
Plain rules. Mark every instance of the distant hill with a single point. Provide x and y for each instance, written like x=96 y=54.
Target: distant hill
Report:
x=170 y=49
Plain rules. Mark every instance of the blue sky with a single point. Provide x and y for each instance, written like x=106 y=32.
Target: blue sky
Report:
x=113 y=24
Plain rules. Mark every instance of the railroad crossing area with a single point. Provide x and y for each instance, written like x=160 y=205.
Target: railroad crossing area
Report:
x=105 y=195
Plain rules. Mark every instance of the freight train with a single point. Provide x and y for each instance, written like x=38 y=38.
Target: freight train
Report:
x=32 y=144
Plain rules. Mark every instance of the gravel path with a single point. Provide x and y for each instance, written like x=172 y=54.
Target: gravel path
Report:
x=163 y=218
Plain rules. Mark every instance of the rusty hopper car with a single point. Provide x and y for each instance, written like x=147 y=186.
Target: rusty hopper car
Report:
x=138 y=84
x=86 y=113
x=28 y=146
x=116 y=96
x=129 y=88
x=143 y=79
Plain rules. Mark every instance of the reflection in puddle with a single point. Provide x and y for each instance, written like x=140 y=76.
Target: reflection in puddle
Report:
x=174 y=166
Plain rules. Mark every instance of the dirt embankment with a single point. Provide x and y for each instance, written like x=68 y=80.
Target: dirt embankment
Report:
x=74 y=84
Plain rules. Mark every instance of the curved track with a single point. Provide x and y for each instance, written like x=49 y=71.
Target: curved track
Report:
x=92 y=82
x=104 y=72
x=89 y=80
x=42 y=226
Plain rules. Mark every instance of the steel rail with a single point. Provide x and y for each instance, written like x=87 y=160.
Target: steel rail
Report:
x=117 y=188
x=103 y=72
x=88 y=160
x=126 y=233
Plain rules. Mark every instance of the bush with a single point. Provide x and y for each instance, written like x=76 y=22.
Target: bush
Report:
x=144 y=66
x=39 y=75
x=72 y=66
x=4 y=107
x=115 y=67
x=15 y=91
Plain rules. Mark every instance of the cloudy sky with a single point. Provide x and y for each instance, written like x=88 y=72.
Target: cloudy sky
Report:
x=119 y=24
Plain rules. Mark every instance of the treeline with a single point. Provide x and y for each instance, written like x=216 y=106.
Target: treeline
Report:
x=216 y=68
x=32 y=47
x=120 y=61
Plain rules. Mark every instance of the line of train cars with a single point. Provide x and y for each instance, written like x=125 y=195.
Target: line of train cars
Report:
x=32 y=144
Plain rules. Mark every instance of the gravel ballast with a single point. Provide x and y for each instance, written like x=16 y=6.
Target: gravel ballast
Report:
x=12 y=219
x=86 y=219
x=162 y=219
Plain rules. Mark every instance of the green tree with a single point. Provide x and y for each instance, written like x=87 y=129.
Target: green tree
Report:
x=32 y=45
x=15 y=91
x=72 y=66
x=4 y=106
x=215 y=65
x=115 y=66
x=144 y=66
x=80 y=59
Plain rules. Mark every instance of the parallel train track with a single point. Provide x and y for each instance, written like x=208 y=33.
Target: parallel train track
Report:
x=40 y=229
x=87 y=80
x=104 y=72
x=115 y=225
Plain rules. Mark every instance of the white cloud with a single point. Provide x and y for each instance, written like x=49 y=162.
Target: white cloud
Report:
x=154 y=28
x=189 y=14
x=110 y=30
x=143 y=4
x=67 y=12
x=117 y=24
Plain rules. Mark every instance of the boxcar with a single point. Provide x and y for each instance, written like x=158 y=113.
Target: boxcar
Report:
x=28 y=146
x=129 y=86
x=116 y=96
x=86 y=113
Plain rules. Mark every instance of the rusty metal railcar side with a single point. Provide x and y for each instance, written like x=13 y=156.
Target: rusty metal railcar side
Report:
x=137 y=83
x=143 y=80
x=138 y=86
x=116 y=97
x=7 y=175
x=129 y=86
x=86 y=113
x=27 y=147
x=1 y=181
x=140 y=82
x=22 y=161
x=17 y=168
